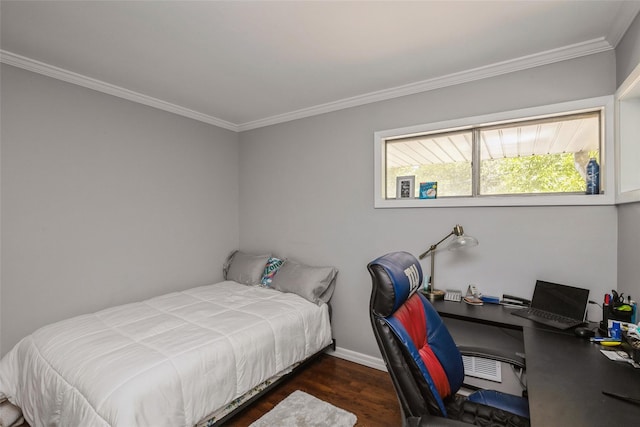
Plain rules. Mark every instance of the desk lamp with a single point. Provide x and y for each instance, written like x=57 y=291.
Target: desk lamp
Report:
x=461 y=241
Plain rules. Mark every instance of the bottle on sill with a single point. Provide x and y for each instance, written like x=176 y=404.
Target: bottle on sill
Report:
x=593 y=177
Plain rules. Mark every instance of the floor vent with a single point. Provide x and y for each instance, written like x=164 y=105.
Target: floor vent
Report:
x=482 y=368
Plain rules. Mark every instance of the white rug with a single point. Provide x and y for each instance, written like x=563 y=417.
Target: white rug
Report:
x=300 y=409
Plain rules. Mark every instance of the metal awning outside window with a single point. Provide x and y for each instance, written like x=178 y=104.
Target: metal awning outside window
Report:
x=577 y=133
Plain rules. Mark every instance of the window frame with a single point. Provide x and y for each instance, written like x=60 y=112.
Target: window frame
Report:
x=607 y=168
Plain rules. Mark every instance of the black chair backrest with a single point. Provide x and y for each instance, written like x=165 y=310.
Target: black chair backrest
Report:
x=396 y=277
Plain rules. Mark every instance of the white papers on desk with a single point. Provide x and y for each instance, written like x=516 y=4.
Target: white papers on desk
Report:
x=619 y=356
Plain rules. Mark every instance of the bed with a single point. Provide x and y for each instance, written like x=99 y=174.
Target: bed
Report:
x=181 y=359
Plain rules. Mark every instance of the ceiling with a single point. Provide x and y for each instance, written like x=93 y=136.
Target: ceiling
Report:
x=246 y=64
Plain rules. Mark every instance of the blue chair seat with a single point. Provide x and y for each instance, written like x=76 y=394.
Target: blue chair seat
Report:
x=507 y=402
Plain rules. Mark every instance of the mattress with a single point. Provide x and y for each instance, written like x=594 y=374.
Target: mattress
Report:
x=167 y=361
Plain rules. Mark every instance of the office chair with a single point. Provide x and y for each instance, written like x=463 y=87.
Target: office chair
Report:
x=423 y=361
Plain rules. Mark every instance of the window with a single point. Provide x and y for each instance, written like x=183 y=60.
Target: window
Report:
x=527 y=157
x=442 y=157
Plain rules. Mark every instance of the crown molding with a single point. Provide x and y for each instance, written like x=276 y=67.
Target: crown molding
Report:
x=525 y=62
x=29 y=64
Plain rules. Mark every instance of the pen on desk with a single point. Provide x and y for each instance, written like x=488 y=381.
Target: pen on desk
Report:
x=622 y=397
x=603 y=339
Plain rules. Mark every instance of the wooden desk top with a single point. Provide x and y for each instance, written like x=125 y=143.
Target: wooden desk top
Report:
x=565 y=374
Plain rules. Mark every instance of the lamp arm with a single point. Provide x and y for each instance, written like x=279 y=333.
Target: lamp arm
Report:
x=428 y=251
x=433 y=247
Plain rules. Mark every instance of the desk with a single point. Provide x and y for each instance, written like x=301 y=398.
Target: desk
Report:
x=565 y=374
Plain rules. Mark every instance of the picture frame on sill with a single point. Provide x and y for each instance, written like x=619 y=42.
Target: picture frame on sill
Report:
x=405 y=187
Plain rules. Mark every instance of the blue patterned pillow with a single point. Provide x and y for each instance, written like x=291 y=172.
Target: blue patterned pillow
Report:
x=270 y=270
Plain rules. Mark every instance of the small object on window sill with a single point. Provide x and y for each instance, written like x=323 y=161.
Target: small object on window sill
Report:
x=428 y=190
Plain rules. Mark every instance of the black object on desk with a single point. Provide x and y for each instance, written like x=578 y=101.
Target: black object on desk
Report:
x=584 y=332
x=615 y=309
x=558 y=306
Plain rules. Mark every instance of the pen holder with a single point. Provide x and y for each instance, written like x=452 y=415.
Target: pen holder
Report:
x=620 y=314
x=617 y=313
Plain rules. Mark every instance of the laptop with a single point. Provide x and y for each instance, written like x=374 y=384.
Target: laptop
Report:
x=558 y=306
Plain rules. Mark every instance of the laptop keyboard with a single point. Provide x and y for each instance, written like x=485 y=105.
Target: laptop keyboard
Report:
x=550 y=319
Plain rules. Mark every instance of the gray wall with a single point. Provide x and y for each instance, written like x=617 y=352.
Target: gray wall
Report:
x=627 y=58
x=306 y=192
x=105 y=201
x=628 y=51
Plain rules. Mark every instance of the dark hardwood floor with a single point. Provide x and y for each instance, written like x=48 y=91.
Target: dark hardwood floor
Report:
x=366 y=392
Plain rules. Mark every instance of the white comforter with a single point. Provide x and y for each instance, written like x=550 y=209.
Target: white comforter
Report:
x=170 y=360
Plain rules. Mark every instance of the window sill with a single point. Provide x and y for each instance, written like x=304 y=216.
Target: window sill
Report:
x=489 y=201
x=631 y=196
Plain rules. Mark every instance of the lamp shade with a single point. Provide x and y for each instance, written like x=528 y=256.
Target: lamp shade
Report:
x=462 y=242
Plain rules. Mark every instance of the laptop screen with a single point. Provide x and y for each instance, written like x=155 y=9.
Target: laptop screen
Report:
x=564 y=300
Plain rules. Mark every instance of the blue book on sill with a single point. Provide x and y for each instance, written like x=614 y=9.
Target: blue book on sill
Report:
x=428 y=190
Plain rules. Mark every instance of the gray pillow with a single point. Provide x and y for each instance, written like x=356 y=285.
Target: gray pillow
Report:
x=227 y=264
x=315 y=284
x=245 y=268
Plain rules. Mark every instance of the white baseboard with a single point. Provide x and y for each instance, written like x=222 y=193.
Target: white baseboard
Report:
x=362 y=359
